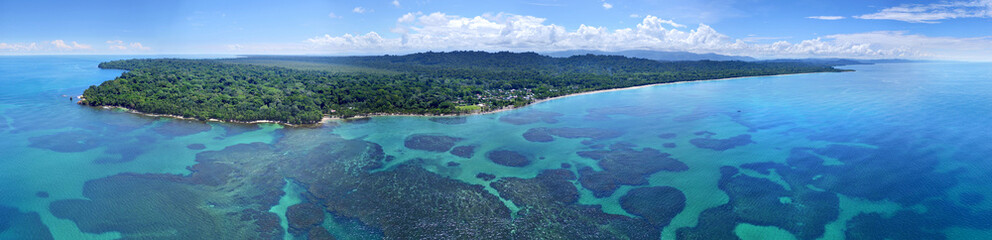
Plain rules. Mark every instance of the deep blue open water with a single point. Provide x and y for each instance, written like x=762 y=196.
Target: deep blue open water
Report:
x=889 y=151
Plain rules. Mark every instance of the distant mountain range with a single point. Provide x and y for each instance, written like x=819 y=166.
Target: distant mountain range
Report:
x=655 y=55
x=839 y=61
x=688 y=56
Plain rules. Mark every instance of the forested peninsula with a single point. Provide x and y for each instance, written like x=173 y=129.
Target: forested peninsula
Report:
x=304 y=89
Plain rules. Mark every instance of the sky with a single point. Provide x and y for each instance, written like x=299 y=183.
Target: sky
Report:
x=870 y=29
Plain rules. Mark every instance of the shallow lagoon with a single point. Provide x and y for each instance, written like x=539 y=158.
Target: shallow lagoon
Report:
x=890 y=151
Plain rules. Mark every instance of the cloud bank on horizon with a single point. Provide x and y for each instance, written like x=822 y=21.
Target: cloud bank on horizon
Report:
x=498 y=32
x=395 y=27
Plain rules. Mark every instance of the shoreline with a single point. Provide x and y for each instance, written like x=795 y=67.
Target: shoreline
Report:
x=328 y=118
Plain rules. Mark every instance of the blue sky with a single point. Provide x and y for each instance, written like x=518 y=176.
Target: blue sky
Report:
x=954 y=29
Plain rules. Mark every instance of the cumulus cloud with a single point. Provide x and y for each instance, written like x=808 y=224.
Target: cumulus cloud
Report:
x=332 y=15
x=826 y=17
x=54 y=46
x=438 y=31
x=138 y=46
x=607 y=5
x=62 y=45
x=932 y=13
x=361 y=10
x=119 y=45
x=495 y=32
x=18 y=47
x=396 y=3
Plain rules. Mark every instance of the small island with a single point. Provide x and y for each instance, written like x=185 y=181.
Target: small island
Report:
x=305 y=89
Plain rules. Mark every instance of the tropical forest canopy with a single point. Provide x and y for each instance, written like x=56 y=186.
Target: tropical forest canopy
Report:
x=303 y=89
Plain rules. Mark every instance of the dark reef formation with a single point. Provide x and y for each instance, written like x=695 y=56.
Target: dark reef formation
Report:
x=234 y=129
x=485 y=176
x=15 y=224
x=867 y=173
x=67 y=142
x=549 y=202
x=656 y=204
x=430 y=142
x=528 y=117
x=598 y=114
x=125 y=146
x=138 y=206
x=303 y=217
x=181 y=127
x=704 y=133
x=801 y=211
x=908 y=224
x=538 y=135
x=196 y=146
x=508 y=158
x=463 y=151
x=449 y=120
x=721 y=144
x=622 y=165
x=546 y=134
x=227 y=196
x=230 y=191
x=667 y=135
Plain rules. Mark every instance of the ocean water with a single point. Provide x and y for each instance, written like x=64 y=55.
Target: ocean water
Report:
x=889 y=151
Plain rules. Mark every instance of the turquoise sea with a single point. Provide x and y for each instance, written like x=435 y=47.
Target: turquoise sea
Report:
x=889 y=151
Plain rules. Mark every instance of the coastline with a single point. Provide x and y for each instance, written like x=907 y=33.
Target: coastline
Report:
x=328 y=118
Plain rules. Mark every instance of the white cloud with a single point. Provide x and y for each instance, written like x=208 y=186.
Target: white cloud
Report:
x=409 y=17
x=932 y=13
x=61 y=45
x=826 y=17
x=361 y=10
x=119 y=45
x=634 y=15
x=495 y=32
x=332 y=15
x=54 y=46
x=18 y=47
x=669 y=22
x=968 y=49
x=138 y=46
x=509 y=32
x=607 y=5
x=396 y=3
